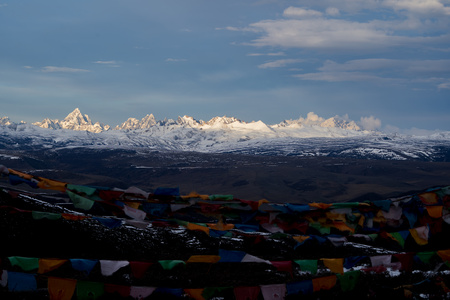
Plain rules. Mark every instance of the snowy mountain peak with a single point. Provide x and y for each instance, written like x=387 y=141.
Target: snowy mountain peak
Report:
x=133 y=123
x=5 y=121
x=189 y=121
x=314 y=120
x=222 y=121
x=74 y=121
x=76 y=118
x=337 y=122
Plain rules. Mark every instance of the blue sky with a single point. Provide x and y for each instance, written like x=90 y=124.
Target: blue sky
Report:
x=386 y=61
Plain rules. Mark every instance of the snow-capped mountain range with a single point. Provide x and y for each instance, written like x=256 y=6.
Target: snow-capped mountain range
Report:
x=310 y=136
x=77 y=121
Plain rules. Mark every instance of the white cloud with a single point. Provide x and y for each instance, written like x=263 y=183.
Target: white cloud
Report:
x=297 y=12
x=52 y=69
x=109 y=63
x=175 y=59
x=332 y=11
x=370 y=123
x=396 y=27
x=27 y=67
x=3 y=5
x=267 y=54
x=444 y=85
x=319 y=33
x=435 y=72
x=279 y=63
x=422 y=7
x=105 y=62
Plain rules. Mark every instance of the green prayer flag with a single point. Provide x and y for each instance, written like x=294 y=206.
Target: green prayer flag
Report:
x=308 y=265
x=89 y=191
x=399 y=238
x=79 y=201
x=38 y=215
x=170 y=264
x=320 y=228
x=345 y=205
x=87 y=290
x=348 y=280
x=425 y=257
x=373 y=236
x=221 y=197
x=25 y=263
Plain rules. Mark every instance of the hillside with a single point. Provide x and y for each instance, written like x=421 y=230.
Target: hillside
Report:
x=174 y=255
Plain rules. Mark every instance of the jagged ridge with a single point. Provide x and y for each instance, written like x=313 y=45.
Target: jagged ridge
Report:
x=77 y=121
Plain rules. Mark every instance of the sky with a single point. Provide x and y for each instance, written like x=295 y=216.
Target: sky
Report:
x=382 y=63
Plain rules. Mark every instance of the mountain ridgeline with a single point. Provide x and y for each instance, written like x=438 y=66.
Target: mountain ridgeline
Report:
x=77 y=121
x=306 y=137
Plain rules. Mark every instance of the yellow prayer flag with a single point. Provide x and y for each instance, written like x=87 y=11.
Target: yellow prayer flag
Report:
x=324 y=283
x=192 y=226
x=336 y=265
x=435 y=211
x=420 y=235
x=47 y=265
x=50 y=184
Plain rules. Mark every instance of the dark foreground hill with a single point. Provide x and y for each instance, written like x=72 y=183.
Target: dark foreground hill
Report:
x=368 y=249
